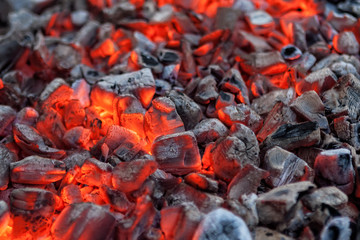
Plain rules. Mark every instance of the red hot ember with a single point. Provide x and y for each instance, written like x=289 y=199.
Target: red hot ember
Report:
x=170 y=119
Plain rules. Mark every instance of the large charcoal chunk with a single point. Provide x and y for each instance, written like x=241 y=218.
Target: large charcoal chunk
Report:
x=32 y=210
x=181 y=221
x=37 y=170
x=30 y=141
x=206 y=202
x=222 y=224
x=7 y=116
x=140 y=83
x=188 y=110
x=240 y=113
x=177 y=153
x=6 y=157
x=291 y=136
x=319 y=81
x=344 y=97
x=267 y=63
x=94 y=173
x=331 y=196
x=310 y=107
x=209 y=130
x=129 y=176
x=346 y=43
x=83 y=221
x=334 y=167
x=246 y=181
x=285 y=167
x=162 y=119
x=274 y=206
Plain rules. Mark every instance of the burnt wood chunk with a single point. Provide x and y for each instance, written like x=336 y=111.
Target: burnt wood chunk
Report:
x=267 y=63
x=94 y=173
x=206 y=90
x=6 y=158
x=310 y=107
x=209 y=130
x=37 y=170
x=274 y=206
x=140 y=83
x=334 y=168
x=346 y=43
x=77 y=221
x=202 y=182
x=285 y=167
x=319 y=81
x=129 y=176
x=234 y=83
x=7 y=116
x=177 y=153
x=260 y=22
x=344 y=97
x=291 y=136
x=188 y=109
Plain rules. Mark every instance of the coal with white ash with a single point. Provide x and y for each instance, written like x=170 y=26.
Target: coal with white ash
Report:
x=179 y=119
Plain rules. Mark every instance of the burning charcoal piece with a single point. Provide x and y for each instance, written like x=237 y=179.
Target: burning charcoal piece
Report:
x=346 y=43
x=137 y=221
x=305 y=63
x=310 y=107
x=143 y=42
x=117 y=139
x=266 y=63
x=265 y=103
x=279 y=115
x=83 y=221
x=77 y=137
x=162 y=119
x=344 y=97
x=129 y=113
x=55 y=91
x=177 y=153
x=116 y=199
x=10 y=52
x=230 y=154
x=129 y=176
x=343 y=68
x=86 y=36
x=222 y=224
x=319 y=81
x=246 y=181
x=6 y=158
x=37 y=170
x=4 y=216
x=7 y=116
x=32 y=210
x=65 y=57
x=140 y=83
x=224 y=99
x=206 y=90
x=248 y=138
x=71 y=194
x=268 y=234
x=202 y=182
x=338 y=227
x=260 y=22
x=81 y=92
x=275 y=205
x=28 y=116
x=162 y=87
x=171 y=73
x=331 y=196
x=347 y=131
x=168 y=56
x=291 y=136
x=290 y=52
x=181 y=221
x=146 y=60
x=95 y=173
x=285 y=167
x=233 y=82
x=256 y=43
x=240 y=113
x=30 y=141
x=209 y=130
x=74 y=114
x=334 y=167
x=188 y=110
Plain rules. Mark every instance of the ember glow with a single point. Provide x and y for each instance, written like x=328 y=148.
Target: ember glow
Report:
x=179 y=119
